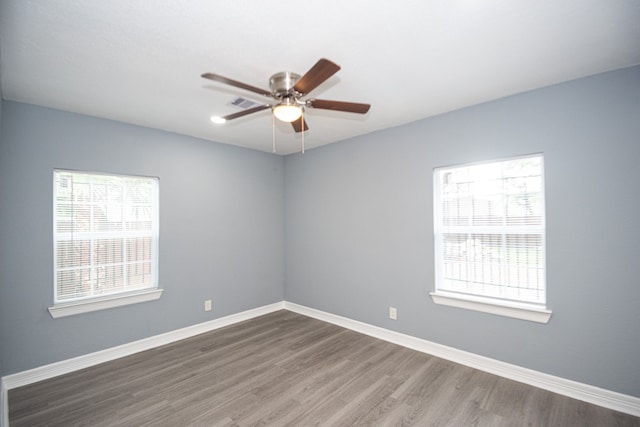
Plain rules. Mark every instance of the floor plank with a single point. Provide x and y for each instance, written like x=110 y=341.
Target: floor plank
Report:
x=285 y=369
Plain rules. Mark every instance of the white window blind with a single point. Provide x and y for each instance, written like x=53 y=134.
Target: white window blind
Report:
x=105 y=235
x=489 y=228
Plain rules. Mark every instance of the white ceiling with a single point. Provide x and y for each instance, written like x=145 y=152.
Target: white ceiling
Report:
x=140 y=61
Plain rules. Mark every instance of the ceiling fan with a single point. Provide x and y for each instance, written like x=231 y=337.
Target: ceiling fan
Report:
x=288 y=89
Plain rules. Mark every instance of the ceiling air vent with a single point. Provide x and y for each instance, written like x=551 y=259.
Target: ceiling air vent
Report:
x=244 y=104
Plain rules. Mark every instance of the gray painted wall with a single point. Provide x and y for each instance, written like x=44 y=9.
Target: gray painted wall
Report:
x=359 y=233
x=221 y=231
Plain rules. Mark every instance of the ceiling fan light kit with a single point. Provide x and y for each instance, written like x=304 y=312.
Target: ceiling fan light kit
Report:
x=287 y=110
x=287 y=89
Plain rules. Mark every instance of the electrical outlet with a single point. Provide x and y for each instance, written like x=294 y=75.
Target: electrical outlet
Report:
x=207 y=305
x=393 y=313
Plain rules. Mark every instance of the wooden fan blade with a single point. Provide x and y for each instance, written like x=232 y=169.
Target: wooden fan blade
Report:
x=321 y=71
x=246 y=112
x=349 y=107
x=297 y=125
x=225 y=80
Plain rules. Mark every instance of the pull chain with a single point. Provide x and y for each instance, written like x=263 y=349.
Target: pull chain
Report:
x=273 y=131
x=302 y=123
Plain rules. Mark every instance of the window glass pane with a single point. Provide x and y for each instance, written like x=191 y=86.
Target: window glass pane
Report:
x=105 y=234
x=489 y=229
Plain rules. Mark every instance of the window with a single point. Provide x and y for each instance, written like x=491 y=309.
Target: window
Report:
x=489 y=224
x=105 y=241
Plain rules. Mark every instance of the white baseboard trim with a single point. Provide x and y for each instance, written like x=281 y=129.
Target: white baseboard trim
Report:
x=587 y=393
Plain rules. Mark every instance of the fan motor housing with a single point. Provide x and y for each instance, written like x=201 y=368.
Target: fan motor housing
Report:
x=282 y=83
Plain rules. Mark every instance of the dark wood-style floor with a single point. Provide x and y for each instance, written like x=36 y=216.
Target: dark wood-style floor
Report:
x=284 y=369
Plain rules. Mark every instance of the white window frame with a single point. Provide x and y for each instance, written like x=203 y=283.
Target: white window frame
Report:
x=117 y=298
x=475 y=300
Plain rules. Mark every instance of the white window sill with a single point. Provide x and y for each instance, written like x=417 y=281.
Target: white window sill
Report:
x=502 y=308
x=111 y=301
